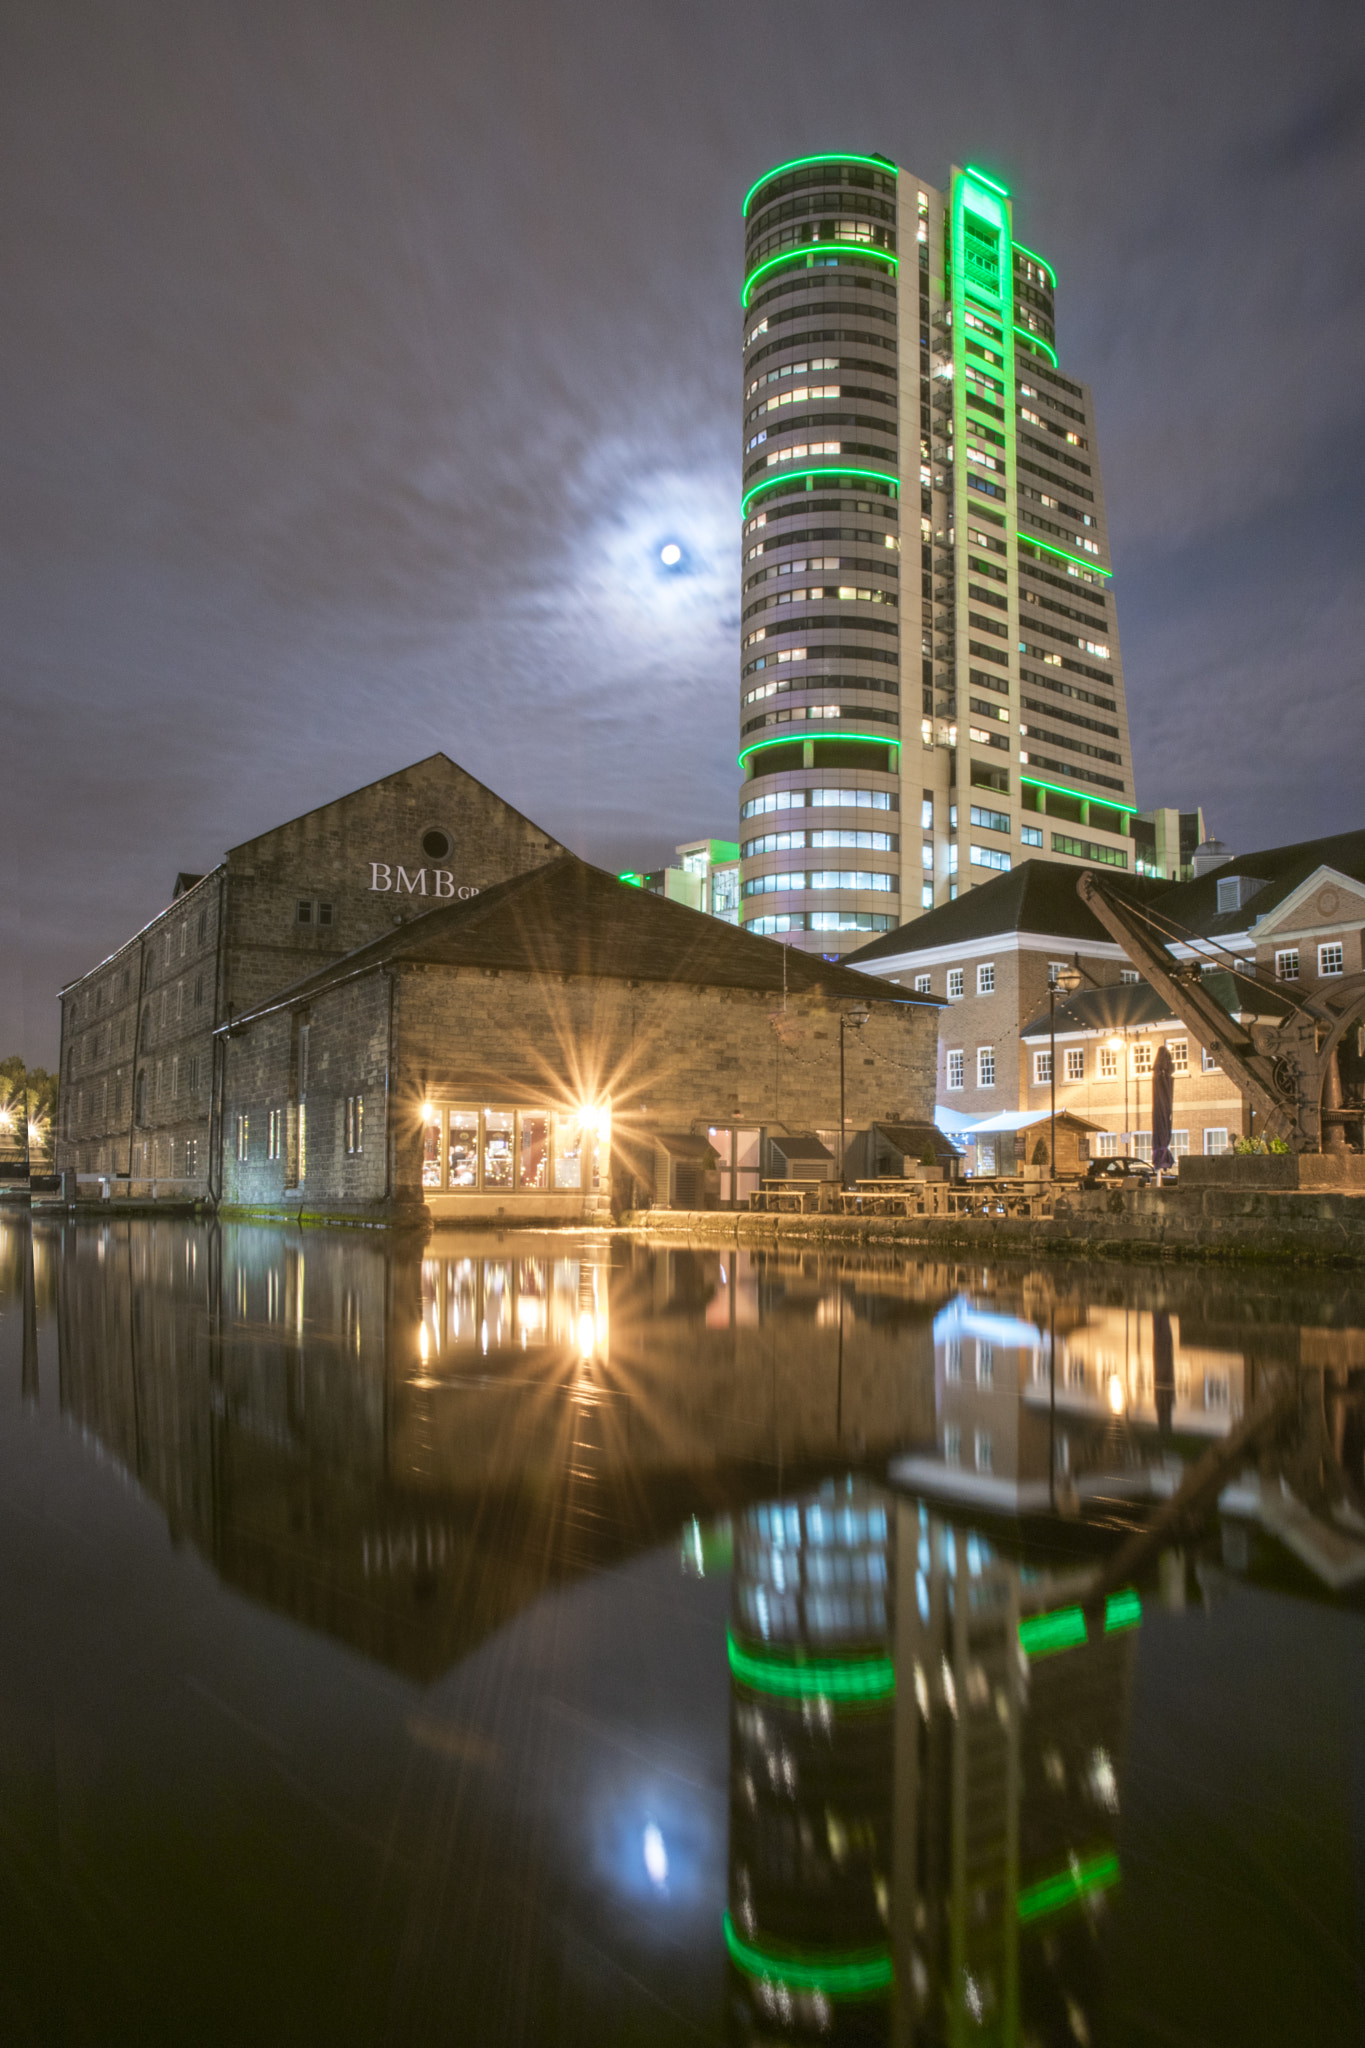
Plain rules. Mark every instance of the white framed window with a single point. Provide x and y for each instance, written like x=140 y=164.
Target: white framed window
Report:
x=1179 y=1050
x=1054 y=968
x=1106 y=1145
x=1128 y=974
x=985 y=979
x=952 y=1359
x=1208 y=1064
x=985 y=1365
x=985 y=1066
x=1331 y=958
x=1214 y=1143
x=1144 y=1056
x=985 y=1455
x=1075 y=1063
x=1180 y=1144
x=922 y=984
x=956 y=978
x=957 y=1062
x=926 y=896
x=1142 y=1145
x=952 y=1444
x=1287 y=963
x=1109 y=1063
x=1042 y=1068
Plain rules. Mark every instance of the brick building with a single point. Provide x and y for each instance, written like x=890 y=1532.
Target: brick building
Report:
x=1269 y=930
x=556 y=1045
x=990 y=957
x=141 y=1092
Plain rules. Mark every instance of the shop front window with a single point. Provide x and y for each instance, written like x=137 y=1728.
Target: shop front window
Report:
x=498 y=1128
x=533 y=1159
x=431 y=1153
x=463 y=1148
x=568 y=1152
x=501 y=1151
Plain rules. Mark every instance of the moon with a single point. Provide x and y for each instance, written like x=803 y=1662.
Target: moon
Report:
x=670 y=555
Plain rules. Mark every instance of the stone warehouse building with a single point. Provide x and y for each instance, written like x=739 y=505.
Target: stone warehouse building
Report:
x=141 y=1090
x=557 y=1046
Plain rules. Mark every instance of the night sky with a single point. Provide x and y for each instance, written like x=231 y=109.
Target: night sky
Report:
x=358 y=359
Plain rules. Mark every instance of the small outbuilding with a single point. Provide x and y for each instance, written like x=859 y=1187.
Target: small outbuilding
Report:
x=912 y=1151
x=562 y=1046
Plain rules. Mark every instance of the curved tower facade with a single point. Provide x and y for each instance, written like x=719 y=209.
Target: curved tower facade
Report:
x=930 y=687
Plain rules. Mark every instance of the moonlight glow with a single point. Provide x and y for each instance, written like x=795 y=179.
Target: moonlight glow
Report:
x=670 y=555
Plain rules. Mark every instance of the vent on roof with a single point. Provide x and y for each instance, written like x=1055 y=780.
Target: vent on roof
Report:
x=1234 y=891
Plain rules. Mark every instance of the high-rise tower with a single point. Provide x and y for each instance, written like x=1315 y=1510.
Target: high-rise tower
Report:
x=930 y=686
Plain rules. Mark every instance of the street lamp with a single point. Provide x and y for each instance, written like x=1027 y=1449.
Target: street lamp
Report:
x=1068 y=980
x=857 y=1018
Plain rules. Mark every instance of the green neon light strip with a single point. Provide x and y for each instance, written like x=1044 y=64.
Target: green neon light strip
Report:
x=877 y=739
x=1096 y=568
x=1051 y=1894
x=635 y=881
x=790 y=476
x=1085 y=796
x=1033 y=255
x=876 y=163
x=1041 y=1635
x=1032 y=341
x=993 y=183
x=816 y=249
x=861 y=1973
x=869 y=1678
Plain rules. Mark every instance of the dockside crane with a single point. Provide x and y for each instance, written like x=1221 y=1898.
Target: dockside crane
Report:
x=1288 y=1068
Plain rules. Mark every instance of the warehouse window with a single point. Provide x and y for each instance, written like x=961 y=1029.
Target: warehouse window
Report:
x=243 y=1136
x=501 y=1151
x=355 y=1124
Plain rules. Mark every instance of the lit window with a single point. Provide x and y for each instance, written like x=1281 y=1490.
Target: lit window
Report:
x=985 y=1365
x=1331 y=958
x=1042 y=1067
x=926 y=856
x=926 y=814
x=991 y=857
x=952 y=1359
x=985 y=1066
x=926 y=896
x=1031 y=835
x=243 y=1136
x=1144 y=1057
x=1287 y=964
x=1075 y=1063
x=985 y=979
x=1109 y=1063
x=955 y=981
x=957 y=1062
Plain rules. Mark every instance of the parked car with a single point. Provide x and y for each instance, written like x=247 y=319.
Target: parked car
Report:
x=1121 y=1171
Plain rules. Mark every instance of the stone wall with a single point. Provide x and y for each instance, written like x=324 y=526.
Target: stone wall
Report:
x=667 y=1058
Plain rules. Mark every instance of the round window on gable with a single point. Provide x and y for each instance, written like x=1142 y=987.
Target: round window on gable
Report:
x=437 y=845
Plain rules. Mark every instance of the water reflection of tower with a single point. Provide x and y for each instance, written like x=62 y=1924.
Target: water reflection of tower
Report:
x=810 y=1770
x=1009 y=1738
x=957 y=1784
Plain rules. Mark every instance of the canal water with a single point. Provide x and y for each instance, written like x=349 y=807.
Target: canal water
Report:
x=562 y=1639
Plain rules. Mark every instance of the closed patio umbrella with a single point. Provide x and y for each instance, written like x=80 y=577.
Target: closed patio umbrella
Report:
x=1163 y=1100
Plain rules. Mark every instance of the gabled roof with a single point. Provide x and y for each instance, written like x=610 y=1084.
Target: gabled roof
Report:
x=436 y=760
x=1037 y=896
x=1325 y=897
x=571 y=918
x=1282 y=869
